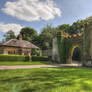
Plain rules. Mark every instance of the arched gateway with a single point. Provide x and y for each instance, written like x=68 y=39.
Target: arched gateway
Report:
x=74 y=55
x=65 y=46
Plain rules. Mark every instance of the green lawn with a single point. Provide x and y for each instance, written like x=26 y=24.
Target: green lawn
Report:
x=46 y=80
x=7 y=63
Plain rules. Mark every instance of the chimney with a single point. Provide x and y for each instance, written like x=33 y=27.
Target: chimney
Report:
x=20 y=37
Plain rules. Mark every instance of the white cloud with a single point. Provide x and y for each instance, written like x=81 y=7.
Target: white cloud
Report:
x=32 y=10
x=14 y=27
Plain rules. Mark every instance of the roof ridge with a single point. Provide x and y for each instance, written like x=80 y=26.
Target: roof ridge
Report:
x=9 y=41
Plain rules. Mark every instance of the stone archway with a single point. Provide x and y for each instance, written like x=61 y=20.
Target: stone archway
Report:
x=66 y=45
x=70 y=60
x=76 y=56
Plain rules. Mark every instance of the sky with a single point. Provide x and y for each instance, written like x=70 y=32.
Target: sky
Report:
x=16 y=14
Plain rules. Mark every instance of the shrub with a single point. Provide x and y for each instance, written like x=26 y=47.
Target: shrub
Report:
x=35 y=52
x=40 y=58
x=13 y=58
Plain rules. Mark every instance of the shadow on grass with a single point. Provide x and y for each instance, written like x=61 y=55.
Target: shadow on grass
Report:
x=7 y=63
x=47 y=79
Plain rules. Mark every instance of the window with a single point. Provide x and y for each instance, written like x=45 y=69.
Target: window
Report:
x=12 y=52
x=9 y=52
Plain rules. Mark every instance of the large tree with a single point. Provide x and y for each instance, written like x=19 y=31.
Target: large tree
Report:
x=29 y=34
x=9 y=35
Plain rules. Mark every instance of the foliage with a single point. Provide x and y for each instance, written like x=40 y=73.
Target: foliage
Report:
x=13 y=58
x=64 y=46
x=29 y=34
x=40 y=58
x=59 y=41
x=76 y=27
x=9 y=35
x=87 y=41
x=35 y=52
x=46 y=80
x=46 y=37
x=67 y=45
x=64 y=27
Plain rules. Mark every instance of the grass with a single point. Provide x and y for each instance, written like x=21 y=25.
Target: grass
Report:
x=46 y=80
x=7 y=63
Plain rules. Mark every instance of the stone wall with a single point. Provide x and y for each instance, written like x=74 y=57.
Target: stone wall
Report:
x=91 y=44
x=89 y=48
x=55 y=52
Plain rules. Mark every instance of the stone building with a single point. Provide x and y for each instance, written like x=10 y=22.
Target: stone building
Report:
x=81 y=43
x=17 y=47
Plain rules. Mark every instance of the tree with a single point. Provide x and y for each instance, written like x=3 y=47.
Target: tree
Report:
x=76 y=27
x=9 y=35
x=64 y=27
x=46 y=37
x=29 y=34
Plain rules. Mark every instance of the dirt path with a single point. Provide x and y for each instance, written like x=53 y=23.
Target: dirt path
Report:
x=37 y=66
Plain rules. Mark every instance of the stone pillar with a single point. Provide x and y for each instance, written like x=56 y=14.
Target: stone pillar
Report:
x=55 y=51
x=29 y=54
x=22 y=53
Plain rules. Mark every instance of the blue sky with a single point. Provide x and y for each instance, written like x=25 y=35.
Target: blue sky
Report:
x=15 y=14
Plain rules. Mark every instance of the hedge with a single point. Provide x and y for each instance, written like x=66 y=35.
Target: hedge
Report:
x=13 y=58
x=22 y=58
x=40 y=58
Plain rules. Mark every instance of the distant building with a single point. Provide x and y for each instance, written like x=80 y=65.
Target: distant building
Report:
x=18 y=47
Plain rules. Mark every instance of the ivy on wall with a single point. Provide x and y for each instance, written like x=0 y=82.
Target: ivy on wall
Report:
x=60 y=47
x=64 y=45
x=87 y=44
x=83 y=40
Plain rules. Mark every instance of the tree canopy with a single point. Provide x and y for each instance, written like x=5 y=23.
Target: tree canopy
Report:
x=46 y=37
x=29 y=34
x=64 y=27
x=9 y=35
